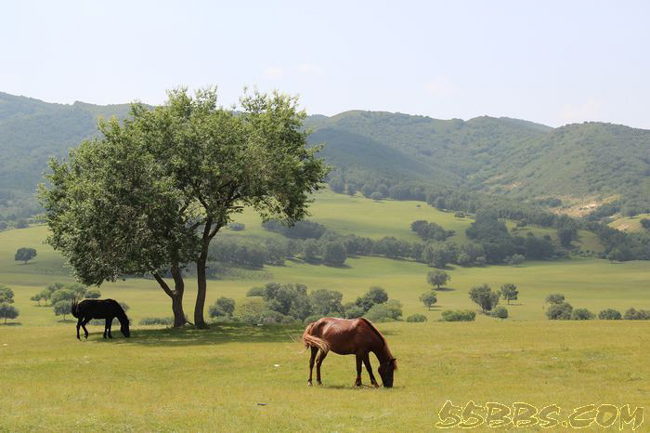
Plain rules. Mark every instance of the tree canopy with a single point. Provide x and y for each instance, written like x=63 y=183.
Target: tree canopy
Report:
x=152 y=191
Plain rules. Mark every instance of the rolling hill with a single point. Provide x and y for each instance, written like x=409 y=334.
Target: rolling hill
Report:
x=583 y=165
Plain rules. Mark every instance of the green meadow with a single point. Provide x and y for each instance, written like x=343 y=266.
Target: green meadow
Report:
x=235 y=377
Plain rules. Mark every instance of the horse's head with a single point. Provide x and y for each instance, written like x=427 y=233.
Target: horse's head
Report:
x=386 y=371
x=125 y=329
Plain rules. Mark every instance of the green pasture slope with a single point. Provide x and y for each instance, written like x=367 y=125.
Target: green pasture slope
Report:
x=211 y=380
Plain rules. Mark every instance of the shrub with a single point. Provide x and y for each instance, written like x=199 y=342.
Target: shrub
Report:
x=93 y=294
x=79 y=290
x=8 y=311
x=484 y=297
x=610 y=314
x=250 y=311
x=62 y=307
x=516 y=259
x=353 y=311
x=326 y=302
x=581 y=314
x=385 y=312
x=560 y=311
x=556 y=298
x=376 y=196
x=237 y=226
x=458 y=316
x=500 y=312
x=311 y=319
x=416 y=318
x=375 y=295
x=256 y=291
x=62 y=295
x=223 y=307
x=633 y=314
x=151 y=321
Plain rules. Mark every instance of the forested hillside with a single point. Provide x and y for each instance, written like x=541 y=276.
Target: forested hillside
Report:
x=575 y=169
x=30 y=132
x=578 y=166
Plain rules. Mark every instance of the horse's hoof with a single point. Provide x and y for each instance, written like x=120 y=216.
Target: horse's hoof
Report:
x=376 y=385
x=320 y=383
x=357 y=383
x=309 y=383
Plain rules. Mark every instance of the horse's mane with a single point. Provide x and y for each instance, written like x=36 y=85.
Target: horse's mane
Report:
x=74 y=308
x=379 y=334
x=121 y=314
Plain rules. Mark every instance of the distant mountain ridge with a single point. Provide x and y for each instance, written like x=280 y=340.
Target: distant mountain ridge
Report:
x=579 y=163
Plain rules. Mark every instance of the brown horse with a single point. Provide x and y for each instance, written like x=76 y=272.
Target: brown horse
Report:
x=349 y=337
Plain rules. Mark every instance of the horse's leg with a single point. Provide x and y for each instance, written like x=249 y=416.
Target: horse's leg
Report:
x=83 y=325
x=314 y=351
x=358 y=381
x=79 y=326
x=110 y=323
x=366 y=360
x=106 y=329
x=319 y=361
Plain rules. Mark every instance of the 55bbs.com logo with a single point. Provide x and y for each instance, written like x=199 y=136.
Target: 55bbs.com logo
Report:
x=526 y=415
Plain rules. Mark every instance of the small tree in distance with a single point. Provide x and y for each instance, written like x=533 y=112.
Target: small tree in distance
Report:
x=428 y=299
x=517 y=259
x=6 y=294
x=62 y=308
x=484 y=297
x=8 y=311
x=438 y=278
x=25 y=254
x=509 y=292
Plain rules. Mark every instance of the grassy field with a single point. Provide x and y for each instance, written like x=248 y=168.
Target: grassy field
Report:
x=594 y=284
x=172 y=380
x=629 y=224
x=254 y=379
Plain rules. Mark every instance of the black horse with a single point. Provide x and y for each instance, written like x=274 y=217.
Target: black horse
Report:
x=107 y=309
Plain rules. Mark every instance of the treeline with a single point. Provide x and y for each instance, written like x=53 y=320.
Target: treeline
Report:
x=621 y=246
x=491 y=244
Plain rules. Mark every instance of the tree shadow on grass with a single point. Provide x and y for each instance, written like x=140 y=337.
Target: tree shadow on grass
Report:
x=217 y=334
x=11 y=324
x=445 y=289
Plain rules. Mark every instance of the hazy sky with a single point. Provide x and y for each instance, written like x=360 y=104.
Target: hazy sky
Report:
x=553 y=62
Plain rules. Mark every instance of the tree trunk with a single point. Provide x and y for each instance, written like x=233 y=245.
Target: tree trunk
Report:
x=177 y=296
x=177 y=309
x=199 y=321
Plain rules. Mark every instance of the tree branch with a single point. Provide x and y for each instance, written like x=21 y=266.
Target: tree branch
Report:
x=163 y=284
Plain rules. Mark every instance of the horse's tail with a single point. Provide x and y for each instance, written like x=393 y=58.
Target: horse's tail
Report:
x=312 y=341
x=74 y=308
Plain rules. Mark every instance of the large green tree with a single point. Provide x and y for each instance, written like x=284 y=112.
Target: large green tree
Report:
x=151 y=193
